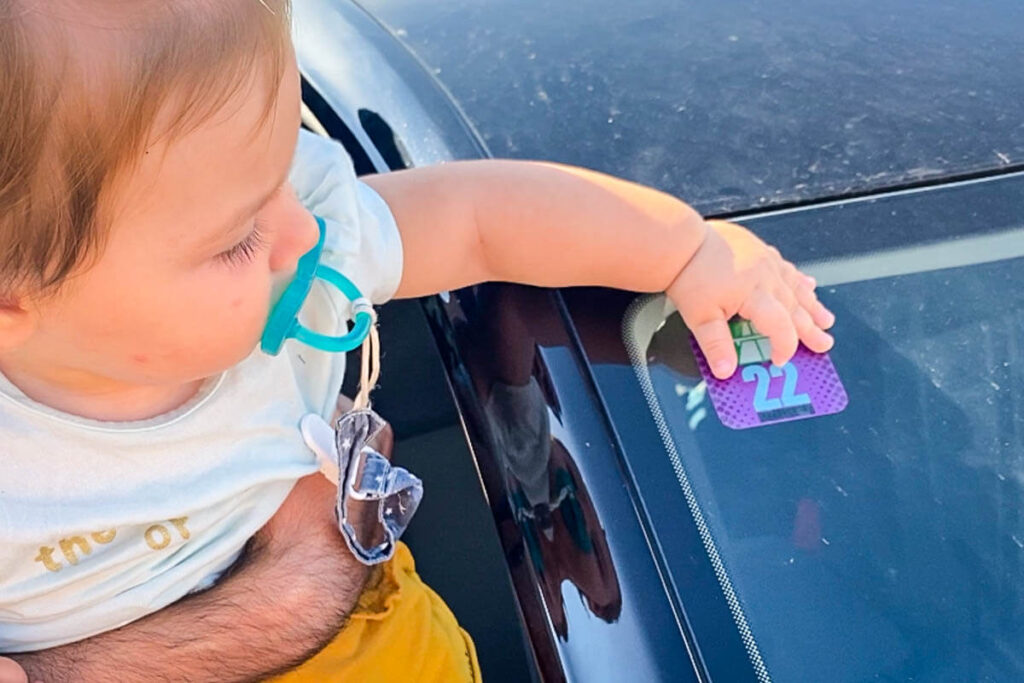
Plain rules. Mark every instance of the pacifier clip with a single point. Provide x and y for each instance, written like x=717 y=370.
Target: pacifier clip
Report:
x=375 y=500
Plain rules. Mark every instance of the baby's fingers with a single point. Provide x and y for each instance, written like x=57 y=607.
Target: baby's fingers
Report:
x=715 y=341
x=772 y=319
x=811 y=335
x=821 y=316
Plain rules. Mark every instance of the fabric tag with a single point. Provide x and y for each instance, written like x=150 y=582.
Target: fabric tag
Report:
x=759 y=393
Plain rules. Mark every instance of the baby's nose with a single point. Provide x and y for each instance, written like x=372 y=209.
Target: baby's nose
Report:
x=309 y=233
x=297 y=235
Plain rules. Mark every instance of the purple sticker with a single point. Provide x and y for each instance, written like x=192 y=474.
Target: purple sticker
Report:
x=759 y=393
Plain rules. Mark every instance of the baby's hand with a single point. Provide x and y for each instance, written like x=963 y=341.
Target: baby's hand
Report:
x=734 y=272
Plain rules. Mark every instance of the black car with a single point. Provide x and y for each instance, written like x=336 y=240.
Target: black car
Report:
x=880 y=146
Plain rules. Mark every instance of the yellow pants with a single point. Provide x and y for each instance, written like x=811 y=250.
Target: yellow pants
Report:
x=400 y=631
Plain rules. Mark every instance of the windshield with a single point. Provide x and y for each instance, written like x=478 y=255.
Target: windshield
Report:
x=885 y=541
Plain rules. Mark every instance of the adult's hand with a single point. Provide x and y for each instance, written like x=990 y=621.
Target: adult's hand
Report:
x=289 y=597
x=11 y=672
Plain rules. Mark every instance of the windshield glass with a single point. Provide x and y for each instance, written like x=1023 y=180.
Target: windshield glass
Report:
x=885 y=541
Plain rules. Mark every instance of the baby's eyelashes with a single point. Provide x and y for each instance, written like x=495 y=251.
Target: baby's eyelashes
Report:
x=246 y=250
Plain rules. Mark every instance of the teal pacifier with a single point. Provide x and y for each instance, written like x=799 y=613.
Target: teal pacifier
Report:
x=283 y=322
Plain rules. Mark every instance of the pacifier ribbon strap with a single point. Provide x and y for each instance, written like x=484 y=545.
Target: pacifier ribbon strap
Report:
x=369 y=371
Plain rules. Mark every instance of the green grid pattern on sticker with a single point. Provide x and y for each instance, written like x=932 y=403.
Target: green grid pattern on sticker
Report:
x=751 y=346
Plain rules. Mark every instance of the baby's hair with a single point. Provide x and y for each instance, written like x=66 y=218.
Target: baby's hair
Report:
x=86 y=86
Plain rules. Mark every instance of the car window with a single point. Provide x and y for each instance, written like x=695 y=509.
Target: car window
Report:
x=886 y=541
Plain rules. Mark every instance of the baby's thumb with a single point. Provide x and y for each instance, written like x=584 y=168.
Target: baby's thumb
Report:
x=715 y=341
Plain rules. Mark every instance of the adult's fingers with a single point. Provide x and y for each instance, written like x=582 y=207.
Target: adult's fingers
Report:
x=715 y=341
x=11 y=672
x=772 y=319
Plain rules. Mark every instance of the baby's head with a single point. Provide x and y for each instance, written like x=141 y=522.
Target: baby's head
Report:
x=144 y=209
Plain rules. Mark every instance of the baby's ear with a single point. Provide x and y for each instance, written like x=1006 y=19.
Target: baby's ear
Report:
x=18 y=320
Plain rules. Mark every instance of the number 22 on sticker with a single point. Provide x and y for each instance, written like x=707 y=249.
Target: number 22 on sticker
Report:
x=762 y=375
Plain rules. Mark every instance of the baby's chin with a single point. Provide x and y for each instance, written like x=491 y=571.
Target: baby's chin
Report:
x=214 y=365
x=243 y=354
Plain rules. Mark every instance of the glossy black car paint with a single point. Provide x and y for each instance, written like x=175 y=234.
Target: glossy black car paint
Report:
x=665 y=627
x=630 y=631
x=372 y=94
x=735 y=105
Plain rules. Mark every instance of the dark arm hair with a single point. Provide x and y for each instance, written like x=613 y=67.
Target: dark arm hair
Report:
x=287 y=598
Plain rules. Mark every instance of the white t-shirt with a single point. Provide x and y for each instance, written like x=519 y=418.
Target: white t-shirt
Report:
x=102 y=523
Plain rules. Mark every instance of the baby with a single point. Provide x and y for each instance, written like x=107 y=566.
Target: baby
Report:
x=155 y=192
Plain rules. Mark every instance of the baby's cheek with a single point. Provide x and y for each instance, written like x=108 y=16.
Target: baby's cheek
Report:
x=246 y=318
x=231 y=318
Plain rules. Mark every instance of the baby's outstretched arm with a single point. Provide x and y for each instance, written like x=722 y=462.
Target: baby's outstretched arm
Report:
x=552 y=225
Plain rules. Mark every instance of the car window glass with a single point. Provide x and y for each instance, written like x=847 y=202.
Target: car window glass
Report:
x=887 y=540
